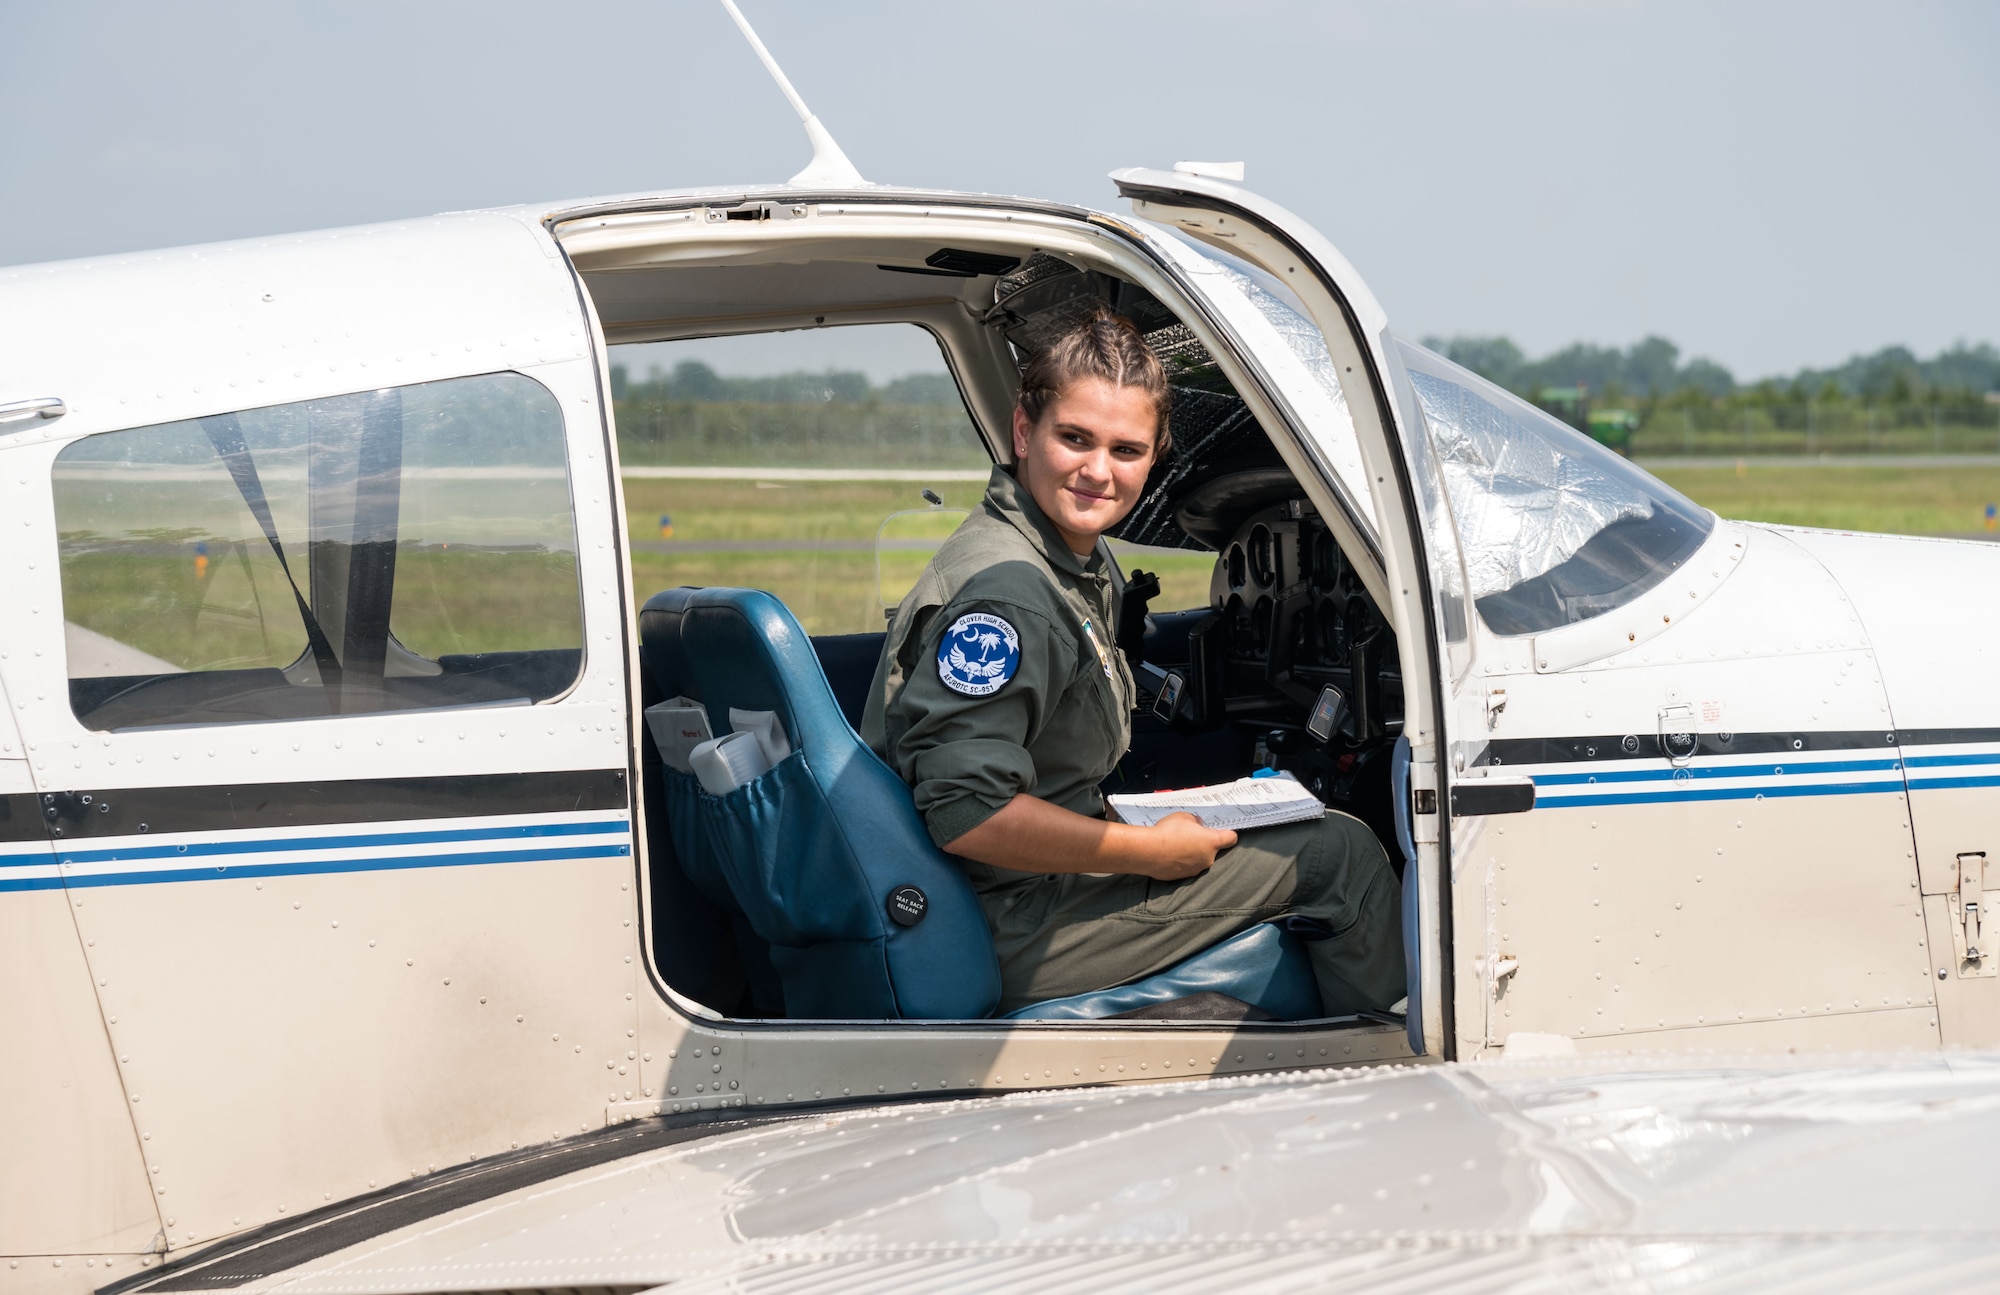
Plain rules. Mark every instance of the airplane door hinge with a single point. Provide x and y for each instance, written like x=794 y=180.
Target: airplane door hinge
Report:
x=1976 y=957
x=1497 y=971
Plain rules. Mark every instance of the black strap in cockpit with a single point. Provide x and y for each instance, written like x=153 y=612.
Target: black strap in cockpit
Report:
x=226 y=435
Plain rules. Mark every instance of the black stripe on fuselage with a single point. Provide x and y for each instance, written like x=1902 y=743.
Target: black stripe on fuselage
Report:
x=1947 y=736
x=1642 y=746
x=128 y=811
x=20 y=818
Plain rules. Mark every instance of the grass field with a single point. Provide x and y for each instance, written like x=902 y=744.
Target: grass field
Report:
x=1899 y=500
x=810 y=543
x=835 y=591
x=831 y=590
x=239 y=613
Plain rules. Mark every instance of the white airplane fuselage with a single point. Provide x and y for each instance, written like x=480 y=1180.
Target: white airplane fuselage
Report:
x=254 y=968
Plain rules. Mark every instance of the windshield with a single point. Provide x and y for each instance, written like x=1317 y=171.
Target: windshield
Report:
x=1556 y=528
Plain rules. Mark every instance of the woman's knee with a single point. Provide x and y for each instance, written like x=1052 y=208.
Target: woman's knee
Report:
x=1346 y=848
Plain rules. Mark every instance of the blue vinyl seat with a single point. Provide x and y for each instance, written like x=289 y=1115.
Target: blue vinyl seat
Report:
x=1264 y=969
x=810 y=852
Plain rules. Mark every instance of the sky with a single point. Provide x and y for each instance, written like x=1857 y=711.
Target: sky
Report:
x=1770 y=183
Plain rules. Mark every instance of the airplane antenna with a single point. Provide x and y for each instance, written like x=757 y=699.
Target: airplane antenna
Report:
x=829 y=166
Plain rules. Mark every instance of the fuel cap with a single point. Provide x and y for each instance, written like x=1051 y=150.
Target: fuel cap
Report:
x=907 y=905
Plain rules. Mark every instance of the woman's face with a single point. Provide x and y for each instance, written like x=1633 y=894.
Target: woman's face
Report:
x=1085 y=462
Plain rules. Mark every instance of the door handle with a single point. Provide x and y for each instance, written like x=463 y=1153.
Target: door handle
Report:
x=15 y=411
x=1481 y=796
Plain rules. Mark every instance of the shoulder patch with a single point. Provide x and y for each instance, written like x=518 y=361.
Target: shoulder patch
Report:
x=978 y=654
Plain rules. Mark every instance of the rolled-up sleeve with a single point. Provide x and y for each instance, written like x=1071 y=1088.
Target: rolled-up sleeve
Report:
x=965 y=757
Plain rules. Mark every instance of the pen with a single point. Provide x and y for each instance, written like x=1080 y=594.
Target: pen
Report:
x=1102 y=659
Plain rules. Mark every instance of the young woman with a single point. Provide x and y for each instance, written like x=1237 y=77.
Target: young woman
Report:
x=1002 y=701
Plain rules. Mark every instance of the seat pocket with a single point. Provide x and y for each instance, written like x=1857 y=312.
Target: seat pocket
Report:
x=773 y=850
x=685 y=817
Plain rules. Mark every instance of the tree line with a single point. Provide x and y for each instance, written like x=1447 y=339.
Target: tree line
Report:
x=1653 y=369
x=1641 y=399
x=692 y=380
x=691 y=414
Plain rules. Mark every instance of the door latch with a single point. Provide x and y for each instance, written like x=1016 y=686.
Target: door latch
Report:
x=1481 y=796
x=1678 y=740
x=1976 y=957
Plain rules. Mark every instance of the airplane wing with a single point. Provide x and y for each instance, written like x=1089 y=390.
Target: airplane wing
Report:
x=1556 y=1175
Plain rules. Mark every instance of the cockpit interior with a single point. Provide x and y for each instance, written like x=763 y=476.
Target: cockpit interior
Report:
x=1289 y=663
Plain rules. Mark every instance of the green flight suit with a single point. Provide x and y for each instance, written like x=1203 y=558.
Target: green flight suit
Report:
x=1054 y=726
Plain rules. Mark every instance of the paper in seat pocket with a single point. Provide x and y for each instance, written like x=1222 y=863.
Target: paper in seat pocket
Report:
x=678 y=726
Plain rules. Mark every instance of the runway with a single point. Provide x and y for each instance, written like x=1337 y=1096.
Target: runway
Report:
x=806 y=474
x=785 y=546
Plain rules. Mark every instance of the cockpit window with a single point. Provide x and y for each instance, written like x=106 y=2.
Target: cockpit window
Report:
x=406 y=548
x=801 y=463
x=1556 y=528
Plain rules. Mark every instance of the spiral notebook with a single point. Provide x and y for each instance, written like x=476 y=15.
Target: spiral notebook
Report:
x=1230 y=806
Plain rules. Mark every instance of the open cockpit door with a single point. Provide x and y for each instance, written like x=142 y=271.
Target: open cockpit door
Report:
x=1377 y=460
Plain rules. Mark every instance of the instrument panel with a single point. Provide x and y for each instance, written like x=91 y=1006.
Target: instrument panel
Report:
x=1290 y=619
x=1292 y=667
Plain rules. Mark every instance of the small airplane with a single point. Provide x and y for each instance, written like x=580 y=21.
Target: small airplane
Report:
x=348 y=898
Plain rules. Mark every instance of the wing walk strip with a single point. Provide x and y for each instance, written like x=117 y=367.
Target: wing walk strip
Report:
x=1651 y=781
x=286 y=852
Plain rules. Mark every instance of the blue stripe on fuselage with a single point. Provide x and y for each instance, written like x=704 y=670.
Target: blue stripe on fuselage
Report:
x=308 y=868
x=337 y=863
x=1688 y=791
x=350 y=841
x=1772 y=780
x=1798 y=768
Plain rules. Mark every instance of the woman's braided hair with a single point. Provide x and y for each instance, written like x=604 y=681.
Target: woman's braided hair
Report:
x=1107 y=347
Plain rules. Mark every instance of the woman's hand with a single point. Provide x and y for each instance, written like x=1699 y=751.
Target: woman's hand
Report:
x=1030 y=835
x=1182 y=847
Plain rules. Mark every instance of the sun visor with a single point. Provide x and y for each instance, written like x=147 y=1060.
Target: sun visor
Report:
x=1523 y=506
x=1555 y=528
